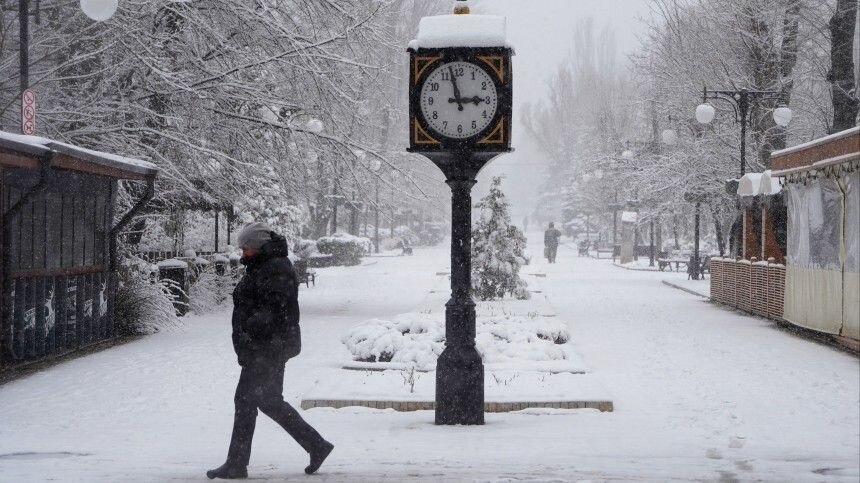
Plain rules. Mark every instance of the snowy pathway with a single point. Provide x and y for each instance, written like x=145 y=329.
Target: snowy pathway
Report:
x=701 y=393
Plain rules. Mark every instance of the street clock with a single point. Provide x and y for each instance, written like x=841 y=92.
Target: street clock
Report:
x=460 y=99
x=460 y=119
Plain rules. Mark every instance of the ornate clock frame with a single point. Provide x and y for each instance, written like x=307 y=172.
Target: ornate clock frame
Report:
x=496 y=137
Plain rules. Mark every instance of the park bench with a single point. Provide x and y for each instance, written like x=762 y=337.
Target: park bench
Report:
x=304 y=274
x=582 y=249
x=664 y=263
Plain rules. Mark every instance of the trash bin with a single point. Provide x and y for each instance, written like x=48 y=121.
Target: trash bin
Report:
x=199 y=266
x=234 y=263
x=221 y=263
x=174 y=275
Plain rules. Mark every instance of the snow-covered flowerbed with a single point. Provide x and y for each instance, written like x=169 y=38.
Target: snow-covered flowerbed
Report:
x=504 y=339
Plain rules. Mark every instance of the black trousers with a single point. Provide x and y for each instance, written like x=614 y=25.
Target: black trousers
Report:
x=552 y=251
x=261 y=386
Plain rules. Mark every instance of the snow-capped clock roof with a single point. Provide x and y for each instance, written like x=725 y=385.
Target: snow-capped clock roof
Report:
x=443 y=31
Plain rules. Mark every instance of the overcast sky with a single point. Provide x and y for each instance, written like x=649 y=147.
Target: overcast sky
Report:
x=541 y=33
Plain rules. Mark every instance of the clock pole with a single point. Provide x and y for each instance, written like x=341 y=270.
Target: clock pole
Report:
x=459 y=369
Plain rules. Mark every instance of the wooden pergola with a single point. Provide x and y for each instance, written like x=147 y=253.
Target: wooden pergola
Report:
x=58 y=240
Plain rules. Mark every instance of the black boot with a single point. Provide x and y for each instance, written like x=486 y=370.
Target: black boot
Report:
x=318 y=456
x=228 y=471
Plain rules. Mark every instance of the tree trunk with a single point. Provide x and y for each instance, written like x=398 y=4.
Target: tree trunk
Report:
x=773 y=69
x=675 y=231
x=718 y=229
x=841 y=75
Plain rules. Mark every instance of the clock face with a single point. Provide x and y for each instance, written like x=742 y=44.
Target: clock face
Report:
x=459 y=100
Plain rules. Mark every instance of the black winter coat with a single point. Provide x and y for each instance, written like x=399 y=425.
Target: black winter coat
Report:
x=551 y=237
x=266 y=308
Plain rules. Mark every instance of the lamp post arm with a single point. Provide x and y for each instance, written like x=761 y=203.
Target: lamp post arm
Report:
x=725 y=97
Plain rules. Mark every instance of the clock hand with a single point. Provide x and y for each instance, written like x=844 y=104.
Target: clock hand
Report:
x=477 y=100
x=467 y=100
x=457 y=97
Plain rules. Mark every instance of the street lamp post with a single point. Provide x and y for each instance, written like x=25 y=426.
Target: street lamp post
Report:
x=651 y=235
x=376 y=221
x=375 y=166
x=24 y=35
x=98 y=10
x=741 y=100
x=697 y=198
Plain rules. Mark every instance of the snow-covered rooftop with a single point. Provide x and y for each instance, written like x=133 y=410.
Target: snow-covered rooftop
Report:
x=755 y=184
x=770 y=184
x=816 y=142
x=461 y=31
x=38 y=146
x=750 y=184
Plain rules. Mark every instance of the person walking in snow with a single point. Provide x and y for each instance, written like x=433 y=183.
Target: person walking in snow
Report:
x=265 y=336
x=550 y=242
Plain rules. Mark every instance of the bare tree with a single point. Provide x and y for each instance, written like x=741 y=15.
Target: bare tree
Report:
x=845 y=98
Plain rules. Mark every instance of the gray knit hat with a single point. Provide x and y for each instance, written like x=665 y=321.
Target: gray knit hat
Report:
x=255 y=235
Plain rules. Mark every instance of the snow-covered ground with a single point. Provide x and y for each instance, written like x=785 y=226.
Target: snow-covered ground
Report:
x=700 y=393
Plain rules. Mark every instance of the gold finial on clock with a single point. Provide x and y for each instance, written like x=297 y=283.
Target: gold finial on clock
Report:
x=461 y=7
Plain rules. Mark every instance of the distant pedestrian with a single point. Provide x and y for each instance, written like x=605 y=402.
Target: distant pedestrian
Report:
x=550 y=242
x=525 y=224
x=265 y=336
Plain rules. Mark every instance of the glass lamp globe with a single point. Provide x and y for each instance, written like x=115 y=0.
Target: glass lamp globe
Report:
x=99 y=10
x=670 y=137
x=598 y=173
x=375 y=165
x=315 y=126
x=627 y=154
x=782 y=116
x=705 y=113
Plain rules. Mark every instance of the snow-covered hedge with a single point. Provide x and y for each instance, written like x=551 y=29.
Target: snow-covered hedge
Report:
x=418 y=339
x=209 y=291
x=305 y=248
x=142 y=305
x=347 y=249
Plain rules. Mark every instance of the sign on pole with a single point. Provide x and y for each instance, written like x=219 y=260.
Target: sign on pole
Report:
x=28 y=112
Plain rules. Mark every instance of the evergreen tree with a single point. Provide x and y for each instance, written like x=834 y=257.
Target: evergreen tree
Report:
x=497 y=250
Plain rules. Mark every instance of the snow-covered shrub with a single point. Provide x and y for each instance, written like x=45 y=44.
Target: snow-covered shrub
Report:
x=418 y=339
x=142 y=305
x=506 y=338
x=347 y=249
x=209 y=291
x=305 y=248
x=406 y=234
x=414 y=339
x=432 y=234
x=497 y=250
